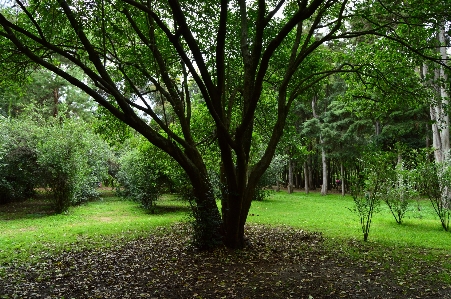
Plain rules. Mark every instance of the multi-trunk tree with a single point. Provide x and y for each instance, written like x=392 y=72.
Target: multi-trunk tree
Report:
x=139 y=55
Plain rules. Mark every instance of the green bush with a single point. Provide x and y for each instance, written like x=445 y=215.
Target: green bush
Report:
x=19 y=172
x=145 y=173
x=138 y=179
x=398 y=190
x=73 y=162
x=60 y=154
x=434 y=181
x=366 y=188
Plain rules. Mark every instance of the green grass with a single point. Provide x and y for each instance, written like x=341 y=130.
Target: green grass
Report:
x=331 y=216
x=26 y=234
x=27 y=231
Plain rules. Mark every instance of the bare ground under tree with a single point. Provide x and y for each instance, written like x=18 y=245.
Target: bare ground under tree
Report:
x=279 y=262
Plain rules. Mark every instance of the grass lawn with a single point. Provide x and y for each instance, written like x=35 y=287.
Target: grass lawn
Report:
x=137 y=254
x=330 y=215
x=26 y=230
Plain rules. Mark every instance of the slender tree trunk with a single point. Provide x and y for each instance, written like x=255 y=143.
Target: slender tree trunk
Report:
x=342 y=176
x=323 y=153
x=290 y=176
x=377 y=128
x=311 y=184
x=296 y=177
x=56 y=97
x=306 y=177
x=324 y=163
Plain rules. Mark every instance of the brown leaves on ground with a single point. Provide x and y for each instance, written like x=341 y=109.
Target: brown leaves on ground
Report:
x=280 y=262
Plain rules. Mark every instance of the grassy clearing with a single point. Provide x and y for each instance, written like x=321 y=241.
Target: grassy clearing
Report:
x=331 y=216
x=29 y=231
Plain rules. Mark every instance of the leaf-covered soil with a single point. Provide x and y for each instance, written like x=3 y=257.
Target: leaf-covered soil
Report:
x=280 y=262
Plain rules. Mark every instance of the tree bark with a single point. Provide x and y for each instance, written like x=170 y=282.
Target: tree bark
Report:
x=324 y=164
x=323 y=153
x=342 y=175
x=290 y=176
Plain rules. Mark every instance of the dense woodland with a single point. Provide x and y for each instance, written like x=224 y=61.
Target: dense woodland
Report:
x=225 y=100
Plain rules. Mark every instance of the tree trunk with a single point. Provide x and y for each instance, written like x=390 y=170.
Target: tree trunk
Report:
x=56 y=97
x=297 y=183
x=323 y=153
x=306 y=177
x=310 y=173
x=324 y=163
x=342 y=175
x=438 y=110
x=290 y=176
x=377 y=128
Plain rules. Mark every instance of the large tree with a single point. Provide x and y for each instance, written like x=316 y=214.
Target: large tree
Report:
x=138 y=55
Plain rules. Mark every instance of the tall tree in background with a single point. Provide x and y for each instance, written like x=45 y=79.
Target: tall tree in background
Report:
x=136 y=54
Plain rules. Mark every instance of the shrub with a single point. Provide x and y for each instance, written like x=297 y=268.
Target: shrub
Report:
x=146 y=172
x=434 y=180
x=398 y=190
x=366 y=188
x=19 y=172
x=58 y=153
x=73 y=160
x=138 y=178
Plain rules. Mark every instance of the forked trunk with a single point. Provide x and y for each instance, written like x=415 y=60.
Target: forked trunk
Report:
x=234 y=217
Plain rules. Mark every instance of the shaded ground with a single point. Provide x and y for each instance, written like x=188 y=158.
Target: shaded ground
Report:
x=279 y=263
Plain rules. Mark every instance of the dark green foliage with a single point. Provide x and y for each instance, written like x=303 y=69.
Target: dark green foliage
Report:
x=206 y=226
x=138 y=179
x=262 y=192
x=61 y=155
x=19 y=172
x=145 y=173
x=73 y=161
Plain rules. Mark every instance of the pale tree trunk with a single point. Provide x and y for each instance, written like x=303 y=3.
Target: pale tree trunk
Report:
x=438 y=109
x=377 y=128
x=323 y=153
x=439 y=115
x=306 y=177
x=444 y=132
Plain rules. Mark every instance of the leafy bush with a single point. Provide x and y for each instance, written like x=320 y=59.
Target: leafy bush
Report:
x=74 y=161
x=19 y=172
x=434 y=180
x=398 y=190
x=366 y=188
x=137 y=179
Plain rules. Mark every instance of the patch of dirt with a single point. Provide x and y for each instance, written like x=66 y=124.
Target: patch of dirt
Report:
x=103 y=219
x=31 y=208
x=280 y=262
